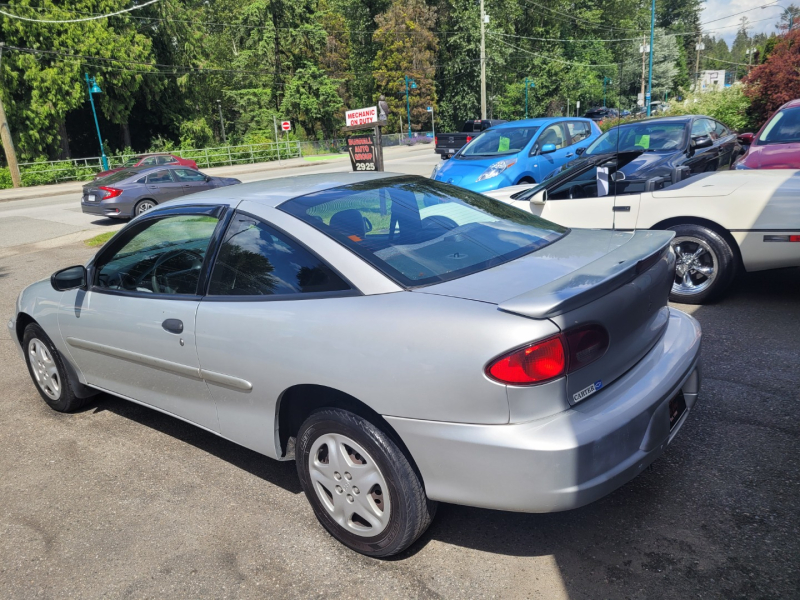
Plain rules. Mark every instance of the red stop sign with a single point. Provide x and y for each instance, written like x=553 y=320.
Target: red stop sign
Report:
x=286 y=125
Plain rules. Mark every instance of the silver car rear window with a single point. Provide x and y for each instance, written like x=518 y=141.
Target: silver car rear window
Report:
x=419 y=232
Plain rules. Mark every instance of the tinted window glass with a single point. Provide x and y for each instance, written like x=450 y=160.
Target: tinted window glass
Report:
x=164 y=257
x=720 y=129
x=418 y=231
x=653 y=136
x=578 y=131
x=783 y=128
x=257 y=260
x=702 y=127
x=188 y=175
x=150 y=161
x=499 y=142
x=159 y=177
x=116 y=177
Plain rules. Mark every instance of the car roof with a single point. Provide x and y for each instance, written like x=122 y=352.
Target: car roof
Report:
x=272 y=192
x=538 y=121
x=791 y=104
x=678 y=119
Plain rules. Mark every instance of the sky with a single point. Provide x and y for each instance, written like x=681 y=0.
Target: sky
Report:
x=762 y=20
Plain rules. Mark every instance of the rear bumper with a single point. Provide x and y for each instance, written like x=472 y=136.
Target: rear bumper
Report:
x=108 y=208
x=569 y=459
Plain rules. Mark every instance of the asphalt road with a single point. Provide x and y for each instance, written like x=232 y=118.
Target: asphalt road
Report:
x=118 y=501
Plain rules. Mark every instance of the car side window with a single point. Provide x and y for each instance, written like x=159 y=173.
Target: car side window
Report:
x=554 y=134
x=578 y=131
x=258 y=260
x=163 y=257
x=721 y=130
x=170 y=160
x=702 y=127
x=159 y=177
x=188 y=175
x=150 y=161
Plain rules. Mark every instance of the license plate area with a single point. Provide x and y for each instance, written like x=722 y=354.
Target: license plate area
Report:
x=677 y=406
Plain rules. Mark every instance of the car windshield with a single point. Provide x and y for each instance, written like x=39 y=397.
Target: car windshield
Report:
x=118 y=176
x=783 y=128
x=645 y=137
x=418 y=232
x=499 y=142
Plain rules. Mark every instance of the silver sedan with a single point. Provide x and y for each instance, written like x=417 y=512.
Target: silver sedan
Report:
x=402 y=340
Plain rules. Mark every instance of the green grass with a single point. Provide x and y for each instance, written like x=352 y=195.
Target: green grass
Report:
x=323 y=157
x=99 y=240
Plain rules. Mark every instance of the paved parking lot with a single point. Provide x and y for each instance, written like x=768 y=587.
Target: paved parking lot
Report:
x=120 y=501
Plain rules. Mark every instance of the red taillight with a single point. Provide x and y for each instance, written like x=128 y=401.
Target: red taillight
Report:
x=436 y=140
x=586 y=345
x=551 y=358
x=110 y=192
x=536 y=363
x=794 y=238
x=469 y=139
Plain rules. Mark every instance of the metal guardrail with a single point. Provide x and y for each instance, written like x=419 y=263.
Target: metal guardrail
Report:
x=56 y=171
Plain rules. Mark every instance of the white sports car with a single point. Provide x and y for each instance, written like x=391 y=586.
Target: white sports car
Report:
x=723 y=221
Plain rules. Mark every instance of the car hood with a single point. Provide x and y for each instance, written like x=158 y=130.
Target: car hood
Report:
x=773 y=156
x=576 y=249
x=456 y=171
x=225 y=180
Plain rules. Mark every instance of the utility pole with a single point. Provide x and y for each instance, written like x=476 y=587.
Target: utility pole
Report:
x=652 y=48
x=483 y=63
x=643 y=48
x=529 y=83
x=221 y=121
x=5 y=136
x=698 y=47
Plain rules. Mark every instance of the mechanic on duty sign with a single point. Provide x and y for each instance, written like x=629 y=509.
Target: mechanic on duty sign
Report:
x=361 y=116
x=362 y=152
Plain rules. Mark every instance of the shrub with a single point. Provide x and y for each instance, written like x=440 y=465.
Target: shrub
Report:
x=728 y=105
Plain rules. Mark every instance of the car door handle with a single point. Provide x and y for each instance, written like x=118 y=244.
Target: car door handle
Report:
x=621 y=209
x=173 y=325
x=570 y=154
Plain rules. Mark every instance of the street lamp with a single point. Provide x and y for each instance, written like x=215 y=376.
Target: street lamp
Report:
x=528 y=84
x=413 y=84
x=93 y=88
x=652 y=50
x=605 y=81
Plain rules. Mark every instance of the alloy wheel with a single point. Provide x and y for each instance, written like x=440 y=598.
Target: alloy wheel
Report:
x=44 y=369
x=349 y=485
x=144 y=207
x=696 y=266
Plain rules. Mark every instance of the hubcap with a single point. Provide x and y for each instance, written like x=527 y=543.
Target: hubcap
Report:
x=44 y=369
x=349 y=484
x=144 y=206
x=696 y=265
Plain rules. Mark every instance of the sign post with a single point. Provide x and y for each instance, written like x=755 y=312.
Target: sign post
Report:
x=366 y=151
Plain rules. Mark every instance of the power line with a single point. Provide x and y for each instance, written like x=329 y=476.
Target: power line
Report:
x=94 y=18
x=556 y=59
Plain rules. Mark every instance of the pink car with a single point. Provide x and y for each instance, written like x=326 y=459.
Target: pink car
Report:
x=777 y=143
x=151 y=160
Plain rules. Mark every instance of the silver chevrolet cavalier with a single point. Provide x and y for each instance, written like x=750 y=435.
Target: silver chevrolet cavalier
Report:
x=403 y=340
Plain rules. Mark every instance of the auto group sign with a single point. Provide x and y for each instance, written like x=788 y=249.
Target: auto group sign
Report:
x=362 y=152
x=361 y=116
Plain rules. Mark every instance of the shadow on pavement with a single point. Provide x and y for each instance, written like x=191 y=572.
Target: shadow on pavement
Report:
x=107 y=222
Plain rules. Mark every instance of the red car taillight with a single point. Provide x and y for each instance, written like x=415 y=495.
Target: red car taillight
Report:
x=436 y=140
x=469 y=139
x=110 y=192
x=553 y=357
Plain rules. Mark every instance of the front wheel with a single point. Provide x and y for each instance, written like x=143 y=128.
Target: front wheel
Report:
x=143 y=206
x=705 y=264
x=47 y=370
x=361 y=486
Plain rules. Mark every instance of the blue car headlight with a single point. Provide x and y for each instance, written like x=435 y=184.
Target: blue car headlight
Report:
x=435 y=170
x=495 y=169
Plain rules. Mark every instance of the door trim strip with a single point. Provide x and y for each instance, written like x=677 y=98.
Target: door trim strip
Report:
x=162 y=365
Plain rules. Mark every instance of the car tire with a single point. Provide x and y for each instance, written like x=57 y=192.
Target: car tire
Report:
x=705 y=267
x=46 y=368
x=338 y=451
x=143 y=206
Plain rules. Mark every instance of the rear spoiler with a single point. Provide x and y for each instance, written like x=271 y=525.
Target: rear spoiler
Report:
x=643 y=250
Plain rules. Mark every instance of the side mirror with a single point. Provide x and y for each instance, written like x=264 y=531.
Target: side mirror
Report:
x=580 y=151
x=539 y=197
x=208 y=178
x=702 y=141
x=547 y=149
x=69 y=279
x=745 y=138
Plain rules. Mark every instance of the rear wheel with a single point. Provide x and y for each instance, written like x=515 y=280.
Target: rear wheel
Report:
x=361 y=486
x=47 y=370
x=143 y=206
x=706 y=264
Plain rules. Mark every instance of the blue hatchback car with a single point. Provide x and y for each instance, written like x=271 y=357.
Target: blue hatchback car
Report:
x=517 y=152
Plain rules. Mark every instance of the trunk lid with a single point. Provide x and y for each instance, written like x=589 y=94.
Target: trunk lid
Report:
x=620 y=280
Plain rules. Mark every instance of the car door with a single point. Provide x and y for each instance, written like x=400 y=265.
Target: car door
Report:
x=703 y=160
x=192 y=181
x=728 y=146
x=162 y=186
x=255 y=325
x=133 y=331
x=545 y=163
x=585 y=200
